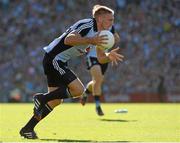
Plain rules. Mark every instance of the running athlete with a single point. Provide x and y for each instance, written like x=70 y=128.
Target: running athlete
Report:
x=62 y=82
x=97 y=71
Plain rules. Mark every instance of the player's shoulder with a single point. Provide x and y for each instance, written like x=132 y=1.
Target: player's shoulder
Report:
x=86 y=20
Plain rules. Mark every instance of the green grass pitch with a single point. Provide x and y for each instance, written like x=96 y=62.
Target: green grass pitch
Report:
x=75 y=123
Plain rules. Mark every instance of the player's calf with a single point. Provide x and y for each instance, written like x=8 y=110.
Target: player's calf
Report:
x=38 y=105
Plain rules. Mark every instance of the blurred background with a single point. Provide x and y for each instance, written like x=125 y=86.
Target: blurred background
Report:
x=150 y=42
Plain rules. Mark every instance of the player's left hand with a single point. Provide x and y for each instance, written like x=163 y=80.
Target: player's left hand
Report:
x=114 y=56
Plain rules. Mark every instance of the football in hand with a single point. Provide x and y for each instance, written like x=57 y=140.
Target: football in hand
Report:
x=110 y=40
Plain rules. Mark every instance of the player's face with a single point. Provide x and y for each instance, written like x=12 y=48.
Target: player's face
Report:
x=107 y=21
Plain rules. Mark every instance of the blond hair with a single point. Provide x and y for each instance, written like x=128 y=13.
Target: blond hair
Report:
x=100 y=9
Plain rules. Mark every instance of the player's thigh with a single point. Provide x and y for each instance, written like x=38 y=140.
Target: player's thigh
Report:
x=96 y=73
x=76 y=87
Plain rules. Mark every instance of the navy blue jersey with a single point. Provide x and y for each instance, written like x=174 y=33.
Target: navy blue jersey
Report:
x=58 y=50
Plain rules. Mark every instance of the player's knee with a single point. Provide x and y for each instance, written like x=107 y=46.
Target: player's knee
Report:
x=76 y=88
x=98 y=81
x=98 y=78
x=77 y=92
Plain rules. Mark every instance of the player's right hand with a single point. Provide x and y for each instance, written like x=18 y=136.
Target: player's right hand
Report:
x=99 y=40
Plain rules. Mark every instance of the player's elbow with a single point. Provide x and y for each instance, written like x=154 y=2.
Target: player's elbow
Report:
x=68 y=41
x=72 y=39
x=101 y=60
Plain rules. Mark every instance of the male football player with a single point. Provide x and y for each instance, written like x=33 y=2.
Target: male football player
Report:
x=62 y=82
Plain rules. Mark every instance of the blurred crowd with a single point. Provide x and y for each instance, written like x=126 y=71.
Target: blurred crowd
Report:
x=149 y=31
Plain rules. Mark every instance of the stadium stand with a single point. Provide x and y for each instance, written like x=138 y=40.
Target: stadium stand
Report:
x=149 y=33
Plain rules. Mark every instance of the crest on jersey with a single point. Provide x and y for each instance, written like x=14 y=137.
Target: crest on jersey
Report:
x=84 y=51
x=81 y=51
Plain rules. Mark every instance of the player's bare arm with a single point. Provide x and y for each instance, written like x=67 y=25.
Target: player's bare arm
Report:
x=75 y=38
x=117 y=40
x=112 y=56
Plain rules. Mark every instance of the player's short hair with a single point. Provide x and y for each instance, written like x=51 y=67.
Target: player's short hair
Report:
x=100 y=9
